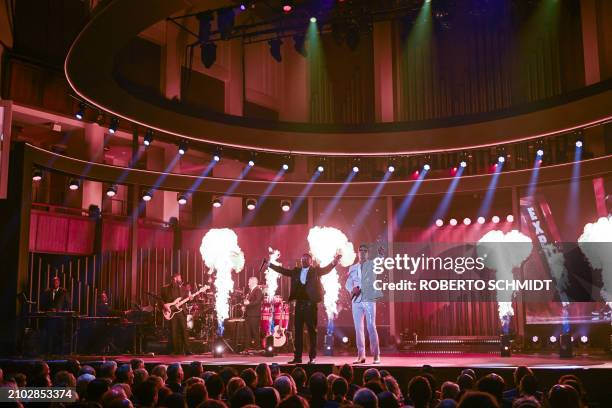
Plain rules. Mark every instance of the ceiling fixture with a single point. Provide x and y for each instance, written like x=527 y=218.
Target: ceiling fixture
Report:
x=285 y=205
x=147 y=196
x=216 y=202
x=37 y=175
x=287 y=6
x=251 y=203
x=299 y=44
x=111 y=191
x=74 y=184
x=114 y=125
x=182 y=147
x=148 y=138
x=80 y=114
x=275 y=49
x=182 y=199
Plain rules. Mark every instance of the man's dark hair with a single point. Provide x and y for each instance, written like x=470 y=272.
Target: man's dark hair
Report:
x=122 y=373
x=318 y=385
x=173 y=372
x=376 y=386
x=195 y=369
x=267 y=397
x=419 y=391
x=215 y=386
x=195 y=394
x=293 y=401
x=212 y=403
x=137 y=363
x=387 y=399
x=340 y=387
x=477 y=399
x=244 y=396
x=528 y=385
x=249 y=376
x=493 y=384
x=346 y=372
x=465 y=382
x=227 y=373
x=146 y=393
x=96 y=388
x=365 y=398
x=519 y=373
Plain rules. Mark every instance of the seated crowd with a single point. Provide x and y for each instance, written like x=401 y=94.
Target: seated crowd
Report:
x=172 y=386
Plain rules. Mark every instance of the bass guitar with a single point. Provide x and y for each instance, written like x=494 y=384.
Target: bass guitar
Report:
x=172 y=308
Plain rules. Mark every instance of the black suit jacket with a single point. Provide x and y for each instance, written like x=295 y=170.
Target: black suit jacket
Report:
x=314 y=288
x=255 y=297
x=170 y=292
x=55 y=303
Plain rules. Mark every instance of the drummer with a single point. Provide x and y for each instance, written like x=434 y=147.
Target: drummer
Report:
x=252 y=312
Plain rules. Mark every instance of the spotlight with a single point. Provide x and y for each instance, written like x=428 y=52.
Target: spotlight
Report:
x=299 y=44
x=148 y=138
x=453 y=222
x=501 y=159
x=345 y=340
x=218 y=348
x=80 y=114
x=426 y=167
x=275 y=49
x=37 y=175
x=505 y=343
x=495 y=219
x=216 y=202
x=313 y=19
x=208 y=55
x=355 y=169
x=467 y=221
x=584 y=339
x=147 y=196
x=287 y=6
x=251 y=163
x=463 y=163
x=328 y=345
x=216 y=157
x=285 y=205
x=285 y=166
x=251 y=203
x=225 y=22
x=535 y=339
x=439 y=222
x=552 y=339
x=578 y=143
x=510 y=218
x=390 y=168
x=242 y=7
x=320 y=168
x=114 y=124
x=269 y=346
x=74 y=184
x=111 y=191
x=182 y=147
x=481 y=220
x=182 y=199
x=540 y=152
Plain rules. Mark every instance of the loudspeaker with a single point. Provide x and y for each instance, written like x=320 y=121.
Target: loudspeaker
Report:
x=505 y=345
x=565 y=346
x=328 y=345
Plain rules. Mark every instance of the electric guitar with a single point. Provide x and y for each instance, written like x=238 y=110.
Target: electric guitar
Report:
x=172 y=308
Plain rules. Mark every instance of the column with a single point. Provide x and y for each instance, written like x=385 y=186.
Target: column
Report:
x=383 y=71
x=94 y=151
x=590 y=44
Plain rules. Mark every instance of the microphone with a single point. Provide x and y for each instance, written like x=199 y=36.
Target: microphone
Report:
x=356 y=293
x=263 y=263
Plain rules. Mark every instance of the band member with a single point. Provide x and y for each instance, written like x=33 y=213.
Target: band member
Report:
x=307 y=291
x=177 y=335
x=252 y=312
x=103 y=308
x=54 y=298
x=360 y=283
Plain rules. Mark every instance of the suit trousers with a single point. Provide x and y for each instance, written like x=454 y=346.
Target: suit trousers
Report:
x=252 y=328
x=305 y=314
x=365 y=310
x=177 y=339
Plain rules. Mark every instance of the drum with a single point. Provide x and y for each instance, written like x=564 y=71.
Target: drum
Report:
x=266 y=318
x=285 y=316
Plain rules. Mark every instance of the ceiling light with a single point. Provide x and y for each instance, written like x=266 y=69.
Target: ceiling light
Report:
x=355 y=169
x=80 y=114
x=453 y=222
x=463 y=163
x=148 y=138
x=578 y=143
x=285 y=205
x=481 y=220
x=439 y=222
x=37 y=175
x=501 y=159
x=182 y=199
x=426 y=167
x=467 y=221
x=320 y=168
x=313 y=19
x=390 y=168
x=495 y=219
x=510 y=218
x=216 y=202
x=111 y=191
x=147 y=196
x=251 y=203
x=74 y=184
x=540 y=152
x=182 y=147
x=114 y=124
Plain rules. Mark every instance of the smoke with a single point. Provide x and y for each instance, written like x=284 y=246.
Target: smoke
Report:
x=325 y=243
x=595 y=244
x=221 y=253
x=272 y=275
x=503 y=258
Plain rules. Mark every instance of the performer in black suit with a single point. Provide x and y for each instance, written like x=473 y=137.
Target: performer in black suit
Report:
x=252 y=312
x=307 y=291
x=54 y=299
x=177 y=334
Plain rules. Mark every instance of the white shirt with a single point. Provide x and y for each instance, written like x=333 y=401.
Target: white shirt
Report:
x=303 y=274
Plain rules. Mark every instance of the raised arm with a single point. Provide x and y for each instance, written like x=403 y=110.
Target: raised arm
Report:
x=327 y=269
x=281 y=270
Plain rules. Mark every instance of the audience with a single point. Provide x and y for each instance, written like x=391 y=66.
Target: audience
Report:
x=132 y=385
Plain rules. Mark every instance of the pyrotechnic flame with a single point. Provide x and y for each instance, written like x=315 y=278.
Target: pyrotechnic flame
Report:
x=595 y=244
x=221 y=253
x=271 y=275
x=504 y=258
x=325 y=243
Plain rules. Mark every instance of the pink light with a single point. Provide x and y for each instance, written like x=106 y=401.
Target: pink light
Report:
x=439 y=222
x=495 y=219
x=453 y=222
x=510 y=218
x=287 y=8
x=467 y=221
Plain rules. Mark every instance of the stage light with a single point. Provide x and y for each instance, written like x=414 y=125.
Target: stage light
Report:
x=495 y=219
x=439 y=222
x=299 y=44
x=426 y=167
x=510 y=218
x=584 y=339
x=345 y=340
x=540 y=152
x=147 y=196
x=313 y=19
x=182 y=147
x=208 y=54
x=251 y=203
x=505 y=343
x=269 y=346
x=287 y=6
x=535 y=339
x=251 y=163
x=37 y=175
x=114 y=124
x=242 y=6
x=182 y=199
x=74 y=184
x=463 y=163
x=355 y=169
x=565 y=346
x=320 y=169
x=453 y=222
x=285 y=166
x=481 y=220
x=218 y=347
x=216 y=202
x=390 y=168
x=148 y=138
x=225 y=22
x=578 y=143
x=328 y=345
x=552 y=339
x=80 y=114
x=467 y=221
x=285 y=205
x=501 y=159
x=111 y=191
x=275 y=49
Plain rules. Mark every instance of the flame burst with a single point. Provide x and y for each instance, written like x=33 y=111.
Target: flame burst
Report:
x=271 y=275
x=221 y=253
x=504 y=258
x=325 y=243
x=595 y=244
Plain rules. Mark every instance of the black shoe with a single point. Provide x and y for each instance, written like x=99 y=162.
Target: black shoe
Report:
x=189 y=353
x=295 y=361
x=312 y=361
x=361 y=360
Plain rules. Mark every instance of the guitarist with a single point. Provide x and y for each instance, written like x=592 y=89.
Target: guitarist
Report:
x=252 y=312
x=177 y=334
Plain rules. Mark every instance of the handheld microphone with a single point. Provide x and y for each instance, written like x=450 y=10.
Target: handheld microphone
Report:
x=356 y=293
x=263 y=263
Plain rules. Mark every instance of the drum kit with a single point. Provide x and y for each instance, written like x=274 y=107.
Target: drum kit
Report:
x=275 y=319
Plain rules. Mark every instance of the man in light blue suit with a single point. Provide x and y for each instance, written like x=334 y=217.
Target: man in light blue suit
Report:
x=360 y=283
